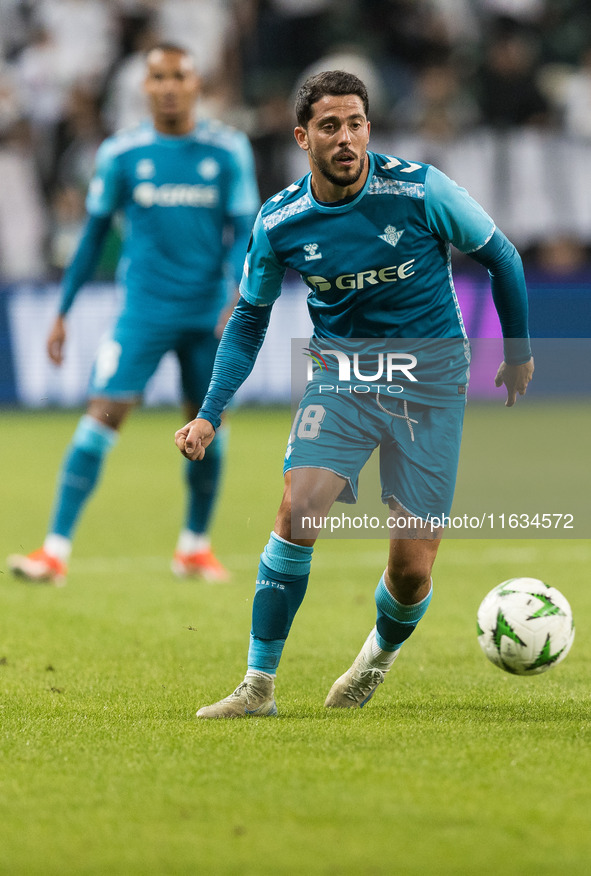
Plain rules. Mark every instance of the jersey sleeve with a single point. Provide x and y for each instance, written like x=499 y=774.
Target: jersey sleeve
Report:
x=263 y=274
x=244 y=197
x=241 y=341
x=509 y=293
x=85 y=259
x=104 y=191
x=453 y=215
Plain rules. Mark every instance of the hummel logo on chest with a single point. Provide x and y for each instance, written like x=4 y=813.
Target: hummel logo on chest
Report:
x=311 y=250
x=390 y=235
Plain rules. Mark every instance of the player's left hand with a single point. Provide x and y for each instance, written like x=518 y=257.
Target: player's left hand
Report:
x=515 y=378
x=194 y=438
x=56 y=341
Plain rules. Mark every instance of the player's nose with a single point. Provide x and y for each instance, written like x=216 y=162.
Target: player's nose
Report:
x=345 y=134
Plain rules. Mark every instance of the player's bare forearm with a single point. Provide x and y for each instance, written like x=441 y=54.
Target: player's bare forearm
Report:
x=193 y=439
x=515 y=378
x=225 y=315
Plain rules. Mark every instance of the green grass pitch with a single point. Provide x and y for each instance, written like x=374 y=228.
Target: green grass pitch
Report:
x=453 y=768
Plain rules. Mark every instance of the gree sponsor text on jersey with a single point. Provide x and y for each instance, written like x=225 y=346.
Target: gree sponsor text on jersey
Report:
x=361 y=279
x=147 y=194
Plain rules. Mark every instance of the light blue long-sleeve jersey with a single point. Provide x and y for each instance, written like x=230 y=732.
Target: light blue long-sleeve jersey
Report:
x=188 y=204
x=376 y=266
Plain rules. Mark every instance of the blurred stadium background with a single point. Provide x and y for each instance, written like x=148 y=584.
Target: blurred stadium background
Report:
x=104 y=770
x=497 y=93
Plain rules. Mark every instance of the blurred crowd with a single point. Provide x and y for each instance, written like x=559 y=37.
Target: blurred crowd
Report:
x=437 y=70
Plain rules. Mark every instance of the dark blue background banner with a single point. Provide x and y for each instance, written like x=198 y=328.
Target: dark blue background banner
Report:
x=8 y=394
x=560 y=307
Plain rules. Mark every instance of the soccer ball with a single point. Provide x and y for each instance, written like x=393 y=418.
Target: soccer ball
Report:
x=525 y=626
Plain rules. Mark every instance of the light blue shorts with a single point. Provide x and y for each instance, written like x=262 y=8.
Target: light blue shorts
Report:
x=128 y=357
x=419 y=445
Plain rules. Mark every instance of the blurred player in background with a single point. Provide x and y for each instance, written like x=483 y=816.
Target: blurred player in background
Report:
x=189 y=196
x=370 y=235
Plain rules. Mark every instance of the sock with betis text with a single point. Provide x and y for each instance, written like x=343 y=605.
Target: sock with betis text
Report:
x=280 y=588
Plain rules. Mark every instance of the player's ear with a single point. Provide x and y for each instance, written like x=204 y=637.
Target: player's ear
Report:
x=197 y=85
x=301 y=136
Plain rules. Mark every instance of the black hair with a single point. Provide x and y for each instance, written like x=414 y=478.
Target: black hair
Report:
x=333 y=82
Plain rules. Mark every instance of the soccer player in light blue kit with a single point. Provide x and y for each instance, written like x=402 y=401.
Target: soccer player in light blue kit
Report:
x=188 y=194
x=370 y=235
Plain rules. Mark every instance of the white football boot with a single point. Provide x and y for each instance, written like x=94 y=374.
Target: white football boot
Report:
x=359 y=683
x=252 y=698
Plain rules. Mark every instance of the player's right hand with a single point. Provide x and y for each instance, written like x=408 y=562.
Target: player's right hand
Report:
x=56 y=340
x=194 y=438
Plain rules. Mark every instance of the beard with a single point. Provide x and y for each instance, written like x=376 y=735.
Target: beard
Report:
x=344 y=178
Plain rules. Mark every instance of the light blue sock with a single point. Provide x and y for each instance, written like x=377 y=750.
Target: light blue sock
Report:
x=280 y=588
x=395 y=621
x=79 y=474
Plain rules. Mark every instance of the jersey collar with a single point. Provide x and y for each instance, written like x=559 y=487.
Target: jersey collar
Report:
x=173 y=139
x=349 y=205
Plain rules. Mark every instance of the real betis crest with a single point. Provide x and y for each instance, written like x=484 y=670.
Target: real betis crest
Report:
x=390 y=235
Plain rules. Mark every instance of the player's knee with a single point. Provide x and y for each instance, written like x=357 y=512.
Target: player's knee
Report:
x=307 y=498
x=306 y=514
x=108 y=412
x=307 y=508
x=295 y=521
x=93 y=436
x=301 y=519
